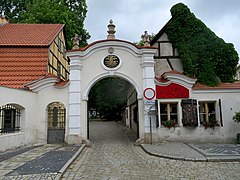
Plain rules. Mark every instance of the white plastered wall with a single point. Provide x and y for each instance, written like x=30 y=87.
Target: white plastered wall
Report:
x=230 y=103
x=33 y=114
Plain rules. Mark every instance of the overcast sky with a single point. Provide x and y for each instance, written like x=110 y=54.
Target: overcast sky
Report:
x=133 y=17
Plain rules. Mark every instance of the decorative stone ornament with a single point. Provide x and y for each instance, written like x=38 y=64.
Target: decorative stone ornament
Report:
x=146 y=39
x=111 y=30
x=110 y=50
x=111 y=61
x=76 y=41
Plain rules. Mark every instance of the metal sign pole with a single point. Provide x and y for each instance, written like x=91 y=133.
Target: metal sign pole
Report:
x=150 y=128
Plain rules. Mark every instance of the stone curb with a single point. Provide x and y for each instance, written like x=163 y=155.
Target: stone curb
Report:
x=172 y=157
x=205 y=159
x=70 y=161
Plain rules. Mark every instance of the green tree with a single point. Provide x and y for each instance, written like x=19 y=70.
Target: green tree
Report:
x=200 y=49
x=108 y=96
x=11 y=8
x=72 y=13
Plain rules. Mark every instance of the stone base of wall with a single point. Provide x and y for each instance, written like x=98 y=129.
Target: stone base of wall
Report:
x=13 y=140
x=74 y=139
x=151 y=138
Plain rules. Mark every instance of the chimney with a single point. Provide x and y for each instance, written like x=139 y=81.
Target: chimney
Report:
x=111 y=30
x=3 y=20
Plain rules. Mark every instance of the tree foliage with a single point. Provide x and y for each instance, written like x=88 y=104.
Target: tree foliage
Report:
x=72 y=13
x=200 y=50
x=108 y=96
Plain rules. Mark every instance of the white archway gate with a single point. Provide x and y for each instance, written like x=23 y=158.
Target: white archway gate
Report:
x=101 y=59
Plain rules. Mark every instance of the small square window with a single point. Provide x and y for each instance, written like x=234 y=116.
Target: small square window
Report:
x=207 y=113
x=168 y=111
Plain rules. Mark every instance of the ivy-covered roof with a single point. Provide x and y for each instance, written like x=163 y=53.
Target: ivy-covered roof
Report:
x=203 y=54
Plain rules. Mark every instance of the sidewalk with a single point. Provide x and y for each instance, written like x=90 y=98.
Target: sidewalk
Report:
x=194 y=151
x=38 y=162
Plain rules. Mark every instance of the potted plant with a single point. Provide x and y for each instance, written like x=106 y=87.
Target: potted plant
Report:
x=236 y=119
x=170 y=123
x=210 y=123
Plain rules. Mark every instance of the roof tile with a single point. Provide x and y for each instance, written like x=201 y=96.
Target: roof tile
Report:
x=28 y=34
x=20 y=65
x=221 y=86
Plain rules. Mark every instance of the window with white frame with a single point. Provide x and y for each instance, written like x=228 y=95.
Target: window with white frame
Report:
x=168 y=111
x=207 y=113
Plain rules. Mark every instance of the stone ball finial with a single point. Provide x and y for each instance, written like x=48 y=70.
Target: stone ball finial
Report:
x=111 y=30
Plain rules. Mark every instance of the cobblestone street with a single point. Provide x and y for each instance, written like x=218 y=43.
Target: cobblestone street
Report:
x=112 y=156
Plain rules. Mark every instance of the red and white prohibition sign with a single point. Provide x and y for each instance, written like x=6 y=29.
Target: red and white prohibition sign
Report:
x=149 y=93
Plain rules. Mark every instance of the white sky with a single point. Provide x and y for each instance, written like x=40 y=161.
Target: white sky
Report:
x=133 y=17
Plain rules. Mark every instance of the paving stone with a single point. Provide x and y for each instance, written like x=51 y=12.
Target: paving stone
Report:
x=43 y=162
x=113 y=156
x=223 y=149
x=14 y=152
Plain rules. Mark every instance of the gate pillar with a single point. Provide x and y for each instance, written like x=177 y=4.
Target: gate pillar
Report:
x=74 y=126
x=148 y=82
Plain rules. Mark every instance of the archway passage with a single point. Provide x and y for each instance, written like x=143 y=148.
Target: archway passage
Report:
x=56 y=122
x=113 y=99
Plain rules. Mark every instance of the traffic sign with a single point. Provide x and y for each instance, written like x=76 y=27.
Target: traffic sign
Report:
x=149 y=93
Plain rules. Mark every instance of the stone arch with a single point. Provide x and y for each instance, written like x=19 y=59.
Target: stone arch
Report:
x=105 y=75
x=132 y=83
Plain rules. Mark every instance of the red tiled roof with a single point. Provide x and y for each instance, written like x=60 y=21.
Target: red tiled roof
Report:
x=221 y=86
x=107 y=40
x=28 y=34
x=21 y=65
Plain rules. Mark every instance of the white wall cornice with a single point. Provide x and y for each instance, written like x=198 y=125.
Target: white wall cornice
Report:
x=162 y=83
x=105 y=45
x=180 y=79
x=40 y=84
x=75 y=64
x=147 y=63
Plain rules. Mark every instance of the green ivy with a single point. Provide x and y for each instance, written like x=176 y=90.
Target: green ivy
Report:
x=203 y=54
x=236 y=117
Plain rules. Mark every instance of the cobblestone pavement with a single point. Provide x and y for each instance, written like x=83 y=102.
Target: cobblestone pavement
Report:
x=113 y=157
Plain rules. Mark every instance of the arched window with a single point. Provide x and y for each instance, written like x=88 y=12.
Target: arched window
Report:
x=9 y=119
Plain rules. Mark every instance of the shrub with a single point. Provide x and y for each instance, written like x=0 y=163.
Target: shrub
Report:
x=236 y=117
